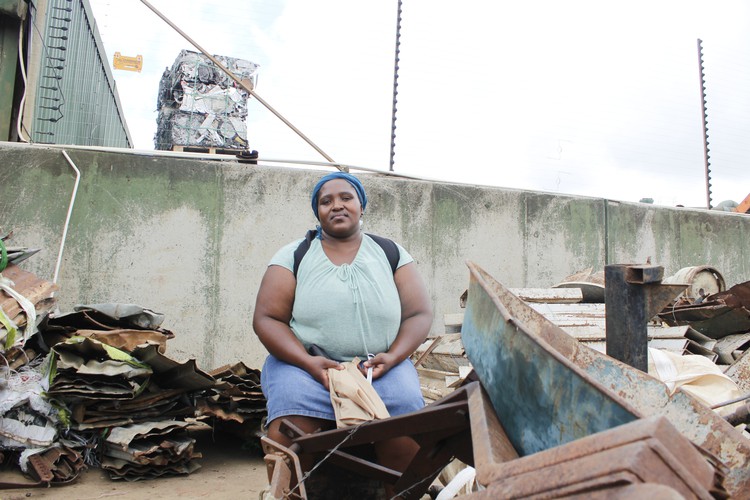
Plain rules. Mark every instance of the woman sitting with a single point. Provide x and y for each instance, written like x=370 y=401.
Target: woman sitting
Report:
x=347 y=300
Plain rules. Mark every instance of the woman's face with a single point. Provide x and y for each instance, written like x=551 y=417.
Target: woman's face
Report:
x=339 y=208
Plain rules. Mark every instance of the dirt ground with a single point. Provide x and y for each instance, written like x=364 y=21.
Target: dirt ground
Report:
x=228 y=470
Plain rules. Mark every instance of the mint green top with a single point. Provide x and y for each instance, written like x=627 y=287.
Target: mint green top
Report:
x=348 y=310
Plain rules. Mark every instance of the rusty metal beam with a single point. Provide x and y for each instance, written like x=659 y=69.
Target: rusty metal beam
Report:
x=633 y=295
x=642 y=274
x=284 y=471
x=433 y=418
x=491 y=445
x=542 y=399
x=646 y=450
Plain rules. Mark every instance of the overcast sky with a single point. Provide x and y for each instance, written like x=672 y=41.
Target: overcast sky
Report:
x=591 y=98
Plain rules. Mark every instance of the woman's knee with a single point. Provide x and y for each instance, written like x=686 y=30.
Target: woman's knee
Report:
x=307 y=425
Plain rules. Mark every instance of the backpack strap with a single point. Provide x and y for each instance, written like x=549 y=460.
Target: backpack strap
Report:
x=302 y=249
x=389 y=247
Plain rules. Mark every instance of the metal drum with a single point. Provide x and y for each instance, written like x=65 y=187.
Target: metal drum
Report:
x=702 y=281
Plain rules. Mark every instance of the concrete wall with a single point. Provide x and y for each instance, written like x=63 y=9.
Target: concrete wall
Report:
x=191 y=238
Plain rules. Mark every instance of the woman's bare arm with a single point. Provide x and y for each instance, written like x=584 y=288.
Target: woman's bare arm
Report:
x=273 y=311
x=416 y=320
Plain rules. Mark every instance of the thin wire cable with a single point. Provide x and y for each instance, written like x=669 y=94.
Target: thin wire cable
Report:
x=731 y=401
x=333 y=450
x=216 y=157
x=67 y=217
x=19 y=119
x=400 y=494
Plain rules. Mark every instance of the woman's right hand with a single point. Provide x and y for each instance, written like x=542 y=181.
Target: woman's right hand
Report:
x=318 y=366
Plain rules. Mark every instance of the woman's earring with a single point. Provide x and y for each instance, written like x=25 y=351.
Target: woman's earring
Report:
x=360 y=220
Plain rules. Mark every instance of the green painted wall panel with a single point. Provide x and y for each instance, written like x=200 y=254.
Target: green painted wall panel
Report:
x=76 y=98
x=8 y=60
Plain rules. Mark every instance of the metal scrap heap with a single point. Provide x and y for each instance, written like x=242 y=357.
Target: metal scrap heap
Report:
x=93 y=388
x=201 y=106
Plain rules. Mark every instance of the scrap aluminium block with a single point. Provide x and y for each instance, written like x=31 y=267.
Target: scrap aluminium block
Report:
x=200 y=105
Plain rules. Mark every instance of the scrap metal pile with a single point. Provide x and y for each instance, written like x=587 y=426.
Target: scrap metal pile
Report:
x=200 y=105
x=707 y=326
x=539 y=415
x=698 y=345
x=93 y=387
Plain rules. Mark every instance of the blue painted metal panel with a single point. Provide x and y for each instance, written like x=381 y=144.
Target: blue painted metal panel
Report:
x=541 y=398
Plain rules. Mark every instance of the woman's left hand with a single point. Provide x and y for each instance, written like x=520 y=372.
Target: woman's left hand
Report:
x=380 y=364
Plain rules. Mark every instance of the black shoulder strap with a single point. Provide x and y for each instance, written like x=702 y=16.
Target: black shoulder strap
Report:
x=389 y=247
x=302 y=249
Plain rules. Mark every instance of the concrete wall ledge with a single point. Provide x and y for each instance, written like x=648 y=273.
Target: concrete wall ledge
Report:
x=190 y=237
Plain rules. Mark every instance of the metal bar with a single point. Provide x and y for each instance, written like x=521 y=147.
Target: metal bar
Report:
x=429 y=419
x=706 y=150
x=642 y=274
x=243 y=85
x=67 y=216
x=363 y=467
x=490 y=443
x=395 y=83
x=626 y=318
x=731 y=401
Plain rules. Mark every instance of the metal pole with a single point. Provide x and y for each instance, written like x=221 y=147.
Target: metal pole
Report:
x=706 y=150
x=243 y=85
x=395 y=84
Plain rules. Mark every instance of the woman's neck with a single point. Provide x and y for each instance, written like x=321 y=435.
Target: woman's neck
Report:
x=341 y=250
x=352 y=239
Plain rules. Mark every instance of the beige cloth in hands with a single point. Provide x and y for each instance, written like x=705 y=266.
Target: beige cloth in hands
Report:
x=354 y=400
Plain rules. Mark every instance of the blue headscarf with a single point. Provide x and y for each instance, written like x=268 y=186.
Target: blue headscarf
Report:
x=356 y=184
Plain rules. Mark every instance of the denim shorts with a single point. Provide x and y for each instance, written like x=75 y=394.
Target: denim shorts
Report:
x=290 y=390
